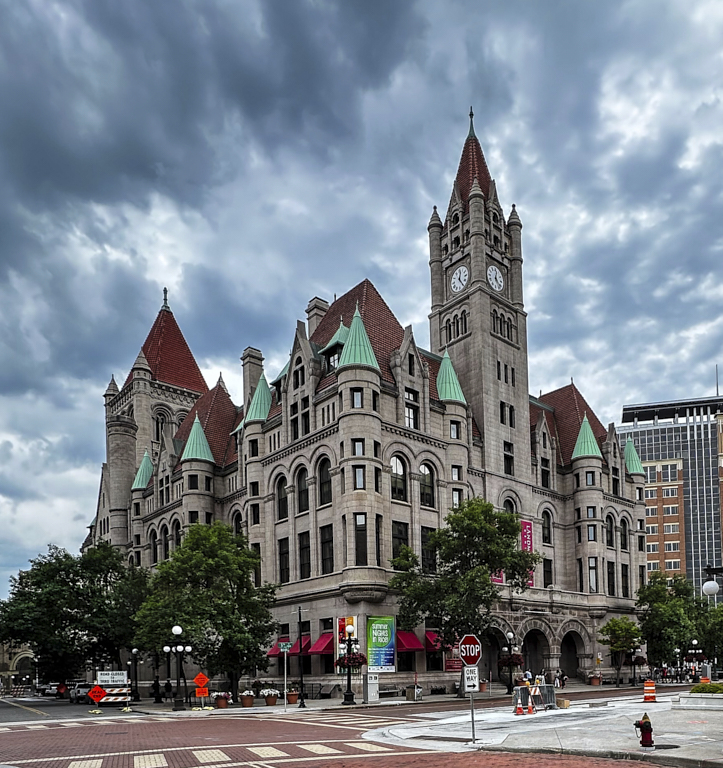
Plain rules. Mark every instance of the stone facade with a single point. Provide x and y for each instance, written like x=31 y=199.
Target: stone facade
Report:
x=364 y=442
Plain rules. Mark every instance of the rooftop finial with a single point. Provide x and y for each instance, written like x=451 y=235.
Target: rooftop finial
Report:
x=165 y=299
x=471 y=123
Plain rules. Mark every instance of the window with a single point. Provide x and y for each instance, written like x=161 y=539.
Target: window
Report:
x=651 y=474
x=509 y=458
x=670 y=510
x=639 y=494
x=651 y=493
x=546 y=527
x=641 y=543
x=326 y=538
x=253 y=447
x=299 y=373
x=357 y=398
x=302 y=491
x=592 y=533
x=426 y=486
x=377 y=480
x=378 y=538
x=654 y=565
x=580 y=580
x=377 y=449
x=324 y=482
x=651 y=530
x=578 y=513
x=503 y=412
x=456 y=473
x=512 y=376
x=177 y=534
x=256 y=549
x=547 y=572
x=254 y=489
x=375 y=401
x=410 y=364
x=672 y=565
x=577 y=479
x=499 y=371
x=509 y=506
x=457 y=497
x=305 y=429
x=284 y=565
x=206 y=484
x=672 y=546
x=136 y=509
x=671 y=528
x=400 y=536
x=411 y=409
x=255 y=514
x=589 y=478
x=545 y=472
x=641 y=575
x=455 y=430
x=165 y=543
x=651 y=548
x=429 y=555
x=282 y=500
x=237 y=525
x=668 y=492
x=651 y=511
x=611 y=578
x=669 y=473
x=357 y=447
x=193 y=482
x=609 y=531
x=193 y=517
x=616 y=481
x=360 y=538
x=359 y=478
x=304 y=555
x=592 y=573
x=591 y=512
x=209 y=518
x=579 y=535
x=399 y=480
x=511 y=411
x=625 y=580
x=544 y=439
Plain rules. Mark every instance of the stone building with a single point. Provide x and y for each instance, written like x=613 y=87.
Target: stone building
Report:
x=364 y=441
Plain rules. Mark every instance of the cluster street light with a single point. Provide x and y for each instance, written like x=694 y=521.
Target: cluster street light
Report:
x=509 y=649
x=348 y=693
x=178 y=650
x=133 y=664
x=710 y=586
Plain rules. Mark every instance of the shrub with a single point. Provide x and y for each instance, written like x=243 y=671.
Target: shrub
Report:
x=707 y=688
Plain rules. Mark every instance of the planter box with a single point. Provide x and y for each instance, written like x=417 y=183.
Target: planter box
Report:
x=271 y=701
x=595 y=680
x=292 y=698
x=247 y=701
x=710 y=701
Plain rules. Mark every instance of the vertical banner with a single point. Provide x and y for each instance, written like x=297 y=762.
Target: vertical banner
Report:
x=526 y=545
x=381 y=640
x=341 y=626
x=497 y=578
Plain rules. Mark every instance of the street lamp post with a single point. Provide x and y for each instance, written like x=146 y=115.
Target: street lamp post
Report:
x=676 y=651
x=302 y=702
x=178 y=649
x=509 y=650
x=348 y=693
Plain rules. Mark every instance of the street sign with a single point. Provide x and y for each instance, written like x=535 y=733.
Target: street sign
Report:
x=285 y=647
x=96 y=693
x=471 y=679
x=114 y=678
x=201 y=693
x=200 y=680
x=470 y=650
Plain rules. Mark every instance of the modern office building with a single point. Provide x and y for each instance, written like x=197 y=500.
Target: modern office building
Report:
x=679 y=444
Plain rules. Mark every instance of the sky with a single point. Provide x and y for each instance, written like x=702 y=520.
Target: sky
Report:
x=250 y=155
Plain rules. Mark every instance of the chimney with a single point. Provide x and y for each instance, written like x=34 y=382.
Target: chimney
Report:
x=253 y=366
x=315 y=312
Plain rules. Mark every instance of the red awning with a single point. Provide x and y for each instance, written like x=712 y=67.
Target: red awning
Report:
x=408 y=641
x=323 y=646
x=306 y=642
x=431 y=641
x=274 y=650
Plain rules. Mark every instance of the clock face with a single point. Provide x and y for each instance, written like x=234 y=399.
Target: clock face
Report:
x=459 y=279
x=495 y=279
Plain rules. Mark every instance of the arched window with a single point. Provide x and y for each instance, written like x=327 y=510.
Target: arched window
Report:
x=495 y=320
x=176 y=534
x=399 y=479
x=237 y=524
x=455 y=219
x=463 y=321
x=282 y=500
x=456 y=326
x=165 y=543
x=509 y=330
x=160 y=424
x=302 y=490
x=448 y=326
x=546 y=527
x=509 y=506
x=324 y=482
x=426 y=486
x=495 y=218
x=610 y=531
x=154 y=548
x=299 y=374
x=624 y=534
x=131 y=561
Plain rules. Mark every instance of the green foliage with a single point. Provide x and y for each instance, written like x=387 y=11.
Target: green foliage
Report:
x=622 y=636
x=707 y=688
x=73 y=611
x=207 y=588
x=476 y=543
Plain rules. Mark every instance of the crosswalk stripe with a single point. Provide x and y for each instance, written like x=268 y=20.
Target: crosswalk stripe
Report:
x=71 y=725
x=211 y=756
x=85 y=764
x=149 y=761
x=37 y=727
x=267 y=751
x=319 y=749
x=368 y=746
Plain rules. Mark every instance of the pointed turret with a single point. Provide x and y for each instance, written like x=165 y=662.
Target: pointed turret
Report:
x=141 y=364
x=260 y=402
x=340 y=337
x=197 y=447
x=112 y=388
x=472 y=165
x=586 y=444
x=358 y=350
x=448 y=386
x=434 y=221
x=632 y=459
x=476 y=190
x=144 y=473
x=514 y=218
x=221 y=383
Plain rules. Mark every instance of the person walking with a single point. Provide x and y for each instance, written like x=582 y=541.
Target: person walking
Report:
x=167 y=691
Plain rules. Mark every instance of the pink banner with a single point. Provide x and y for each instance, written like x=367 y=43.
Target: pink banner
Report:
x=526 y=545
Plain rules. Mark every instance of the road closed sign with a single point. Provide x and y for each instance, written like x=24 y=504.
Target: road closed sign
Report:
x=471 y=679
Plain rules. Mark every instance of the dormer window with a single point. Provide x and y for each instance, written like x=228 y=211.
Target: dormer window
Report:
x=455 y=219
x=299 y=373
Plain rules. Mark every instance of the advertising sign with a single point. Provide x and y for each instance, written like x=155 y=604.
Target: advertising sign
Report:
x=381 y=640
x=111 y=679
x=341 y=626
x=526 y=545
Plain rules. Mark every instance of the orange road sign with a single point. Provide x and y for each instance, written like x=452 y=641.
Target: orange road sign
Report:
x=201 y=693
x=200 y=679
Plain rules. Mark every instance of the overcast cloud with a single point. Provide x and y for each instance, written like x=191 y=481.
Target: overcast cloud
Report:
x=251 y=155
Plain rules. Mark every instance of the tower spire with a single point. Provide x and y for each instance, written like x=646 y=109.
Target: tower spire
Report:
x=471 y=133
x=165 y=299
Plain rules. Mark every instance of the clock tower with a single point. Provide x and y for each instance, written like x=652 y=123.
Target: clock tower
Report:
x=475 y=260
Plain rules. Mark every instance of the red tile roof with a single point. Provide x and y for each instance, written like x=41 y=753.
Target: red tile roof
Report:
x=472 y=165
x=570 y=408
x=218 y=417
x=170 y=357
x=384 y=331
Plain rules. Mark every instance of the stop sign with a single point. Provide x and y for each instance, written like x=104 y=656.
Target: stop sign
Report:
x=470 y=650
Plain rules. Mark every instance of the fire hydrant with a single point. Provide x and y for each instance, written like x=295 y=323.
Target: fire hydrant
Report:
x=646 y=732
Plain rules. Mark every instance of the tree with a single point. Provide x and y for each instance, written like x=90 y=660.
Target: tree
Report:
x=622 y=637
x=207 y=588
x=73 y=611
x=476 y=543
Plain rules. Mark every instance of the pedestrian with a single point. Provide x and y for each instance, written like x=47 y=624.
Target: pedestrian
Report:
x=156 y=690
x=167 y=691
x=558 y=679
x=564 y=679
x=528 y=677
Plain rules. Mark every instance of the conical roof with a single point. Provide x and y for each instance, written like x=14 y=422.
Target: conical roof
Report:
x=197 y=447
x=448 y=386
x=472 y=165
x=144 y=473
x=586 y=444
x=632 y=460
x=340 y=337
x=358 y=349
x=260 y=402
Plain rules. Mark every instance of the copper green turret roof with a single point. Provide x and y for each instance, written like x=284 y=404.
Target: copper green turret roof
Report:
x=260 y=402
x=144 y=473
x=586 y=444
x=448 y=386
x=340 y=337
x=197 y=447
x=632 y=460
x=358 y=349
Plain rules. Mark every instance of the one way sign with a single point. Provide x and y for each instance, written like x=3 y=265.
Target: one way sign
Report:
x=471 y=679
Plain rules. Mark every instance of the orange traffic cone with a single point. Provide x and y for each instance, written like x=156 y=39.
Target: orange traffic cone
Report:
x=519 y=710
x=530 y=707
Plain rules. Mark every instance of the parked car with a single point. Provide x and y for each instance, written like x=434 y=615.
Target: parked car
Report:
x=48 y=689
x=79 y=693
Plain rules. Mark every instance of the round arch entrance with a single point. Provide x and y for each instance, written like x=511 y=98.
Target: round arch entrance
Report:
x=535 y=648
x=570 y=647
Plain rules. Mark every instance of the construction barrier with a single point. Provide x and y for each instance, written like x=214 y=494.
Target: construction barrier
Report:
x=543 y=696
x=649 y=690
x=704 y=679
x=115 y=694
x=20 y=691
